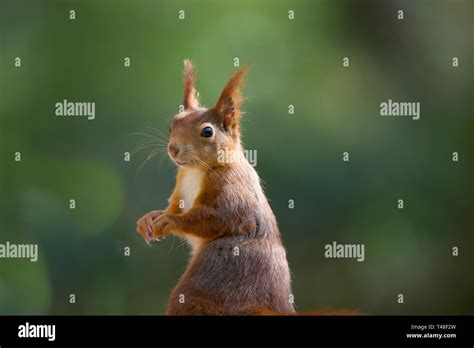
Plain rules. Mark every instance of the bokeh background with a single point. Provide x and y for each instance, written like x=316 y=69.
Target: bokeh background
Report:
x=295 y=62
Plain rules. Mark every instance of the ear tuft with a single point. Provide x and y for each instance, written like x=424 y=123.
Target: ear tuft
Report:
x=191 y=97
x=231 y=99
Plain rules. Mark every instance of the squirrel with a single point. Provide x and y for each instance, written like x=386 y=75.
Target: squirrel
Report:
x=238 y=263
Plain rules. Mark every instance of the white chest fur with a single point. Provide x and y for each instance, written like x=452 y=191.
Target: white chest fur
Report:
x=190 y=187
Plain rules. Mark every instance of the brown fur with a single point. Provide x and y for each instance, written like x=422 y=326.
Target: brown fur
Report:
x=230 y=101
x=191 y=97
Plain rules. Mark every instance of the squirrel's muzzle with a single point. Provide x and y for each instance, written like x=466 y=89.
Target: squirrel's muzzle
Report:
x=173 y=150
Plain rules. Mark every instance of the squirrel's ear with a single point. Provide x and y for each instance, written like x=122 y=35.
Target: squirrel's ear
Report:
x=191 y=96
x=230 y=100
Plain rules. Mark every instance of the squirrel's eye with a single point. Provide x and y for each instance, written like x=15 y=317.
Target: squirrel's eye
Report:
x=207 y=132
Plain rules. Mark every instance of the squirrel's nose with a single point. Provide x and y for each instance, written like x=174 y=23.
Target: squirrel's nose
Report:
x=173 y=150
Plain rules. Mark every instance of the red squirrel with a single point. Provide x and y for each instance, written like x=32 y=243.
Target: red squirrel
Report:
x=238 y=264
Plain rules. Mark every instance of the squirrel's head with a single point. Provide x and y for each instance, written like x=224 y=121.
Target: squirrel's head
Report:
x=198 y=134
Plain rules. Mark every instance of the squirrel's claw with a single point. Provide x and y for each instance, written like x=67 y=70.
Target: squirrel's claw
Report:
x=145 y=225
x=163 y=226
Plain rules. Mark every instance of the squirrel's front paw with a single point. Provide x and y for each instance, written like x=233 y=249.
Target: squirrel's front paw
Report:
x=145 y=224
x=164 y=224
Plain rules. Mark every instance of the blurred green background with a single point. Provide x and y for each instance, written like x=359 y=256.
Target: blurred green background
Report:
x=295 y=62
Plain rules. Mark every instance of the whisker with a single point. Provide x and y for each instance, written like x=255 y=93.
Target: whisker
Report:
x=153 y=142
x=157 y=132
x=210 y=170
x=147 y=159
x=154 y=139
x=151 y=137
x=144 y=146
x=161 y=161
